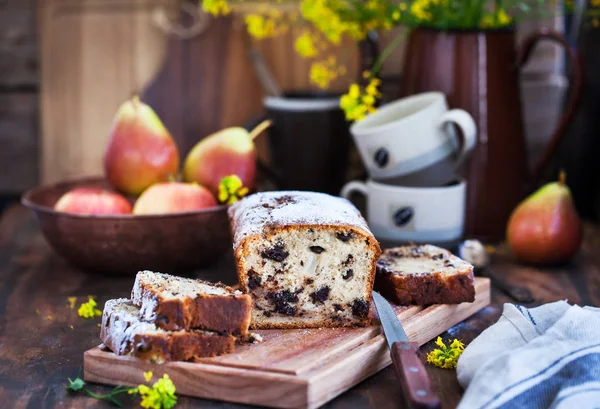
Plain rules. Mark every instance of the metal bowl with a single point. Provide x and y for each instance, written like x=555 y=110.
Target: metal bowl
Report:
x=125 y=244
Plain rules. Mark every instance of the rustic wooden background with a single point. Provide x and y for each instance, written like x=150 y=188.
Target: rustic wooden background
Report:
x=66 y=66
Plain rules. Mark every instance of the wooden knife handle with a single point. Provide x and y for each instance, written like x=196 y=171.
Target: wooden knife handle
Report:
x=413 y=376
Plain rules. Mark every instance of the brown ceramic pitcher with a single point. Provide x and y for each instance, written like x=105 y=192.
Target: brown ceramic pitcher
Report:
x=479 y=72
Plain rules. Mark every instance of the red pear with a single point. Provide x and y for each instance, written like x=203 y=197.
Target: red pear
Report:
x=230 y=151
x=140 y=152
x=545 y=228
x=92 y=201
x=173 y=197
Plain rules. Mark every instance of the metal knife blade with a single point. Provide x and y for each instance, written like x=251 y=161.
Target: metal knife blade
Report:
x=392 y=327
x=409 y=368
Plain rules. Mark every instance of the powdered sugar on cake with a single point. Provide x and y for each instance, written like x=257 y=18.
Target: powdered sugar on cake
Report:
x=256 y=212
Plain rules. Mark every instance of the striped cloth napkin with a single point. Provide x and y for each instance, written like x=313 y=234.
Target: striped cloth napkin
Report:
x=538 y=358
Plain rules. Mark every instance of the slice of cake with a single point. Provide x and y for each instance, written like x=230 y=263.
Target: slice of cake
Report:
x=125 y=334
x=307 y=259
x=424 y=275
x=175 y=303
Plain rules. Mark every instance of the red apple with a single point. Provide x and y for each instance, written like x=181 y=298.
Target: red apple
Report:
x=173 y=197
x=89 y=200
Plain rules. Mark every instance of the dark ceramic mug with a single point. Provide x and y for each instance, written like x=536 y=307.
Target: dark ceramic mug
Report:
x=309 y=142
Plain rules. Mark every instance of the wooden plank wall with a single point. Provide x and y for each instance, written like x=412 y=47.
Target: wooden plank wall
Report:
x=18 y=97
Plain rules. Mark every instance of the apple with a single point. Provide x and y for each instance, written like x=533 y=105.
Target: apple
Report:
x=89 y=200
x=173 y=197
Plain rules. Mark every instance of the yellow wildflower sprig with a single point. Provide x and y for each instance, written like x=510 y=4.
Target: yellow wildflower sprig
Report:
x=231 y=189
x=88 y=309
x=216 y=7
x=360 y=101
x=322 y=73
x=161 y=395
x=446 y=356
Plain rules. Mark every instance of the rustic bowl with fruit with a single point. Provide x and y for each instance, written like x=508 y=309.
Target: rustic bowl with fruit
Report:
x=126 y=243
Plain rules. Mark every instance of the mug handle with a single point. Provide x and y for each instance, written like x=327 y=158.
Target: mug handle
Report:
x=267 y=170
x=574 y=59
x=468 y=127
x=354 y=186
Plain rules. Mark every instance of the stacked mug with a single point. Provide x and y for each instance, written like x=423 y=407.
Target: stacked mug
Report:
x=413 y=152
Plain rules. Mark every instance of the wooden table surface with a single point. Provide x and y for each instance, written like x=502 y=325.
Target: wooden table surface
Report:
x=39 y=350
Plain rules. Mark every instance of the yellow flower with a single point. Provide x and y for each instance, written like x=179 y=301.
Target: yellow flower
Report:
x=396 y=15
x=419 y=9
x=595 y=3
x=322 y=73
x=259 y=27
x=446 y=357
x=89 y=310
x=498 y=19
x=216 y=7
x=231 y=190
x=305 y=45
x=357 y=103
x=160 y=396
x=72 y=302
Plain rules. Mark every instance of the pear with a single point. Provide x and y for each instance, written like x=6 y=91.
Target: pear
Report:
x=545 y=228
x=230 y=151
x=140 y=151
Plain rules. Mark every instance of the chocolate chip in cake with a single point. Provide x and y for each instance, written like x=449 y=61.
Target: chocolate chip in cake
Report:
x=360 y=308
x=281 y=301
x=267 y=313
x=338 y=307
x=302 y=263
x=285 y=200
x=254 y=280
x=142 y=347
x=276 y=253
x=320 y=295
x=161 y=320
x=348 y=274
x=308 y=281
x=344 y=236
x=317 y=249
x=349 y=260
x=437 y=256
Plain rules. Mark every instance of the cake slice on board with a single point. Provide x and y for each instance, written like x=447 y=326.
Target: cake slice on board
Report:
x=178 y=303
x=124 y=333
x=424 y=274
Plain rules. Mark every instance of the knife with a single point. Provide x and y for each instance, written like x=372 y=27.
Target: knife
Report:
x=409 y=368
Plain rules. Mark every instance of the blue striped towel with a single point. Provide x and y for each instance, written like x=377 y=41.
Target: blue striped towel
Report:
x=538 y=358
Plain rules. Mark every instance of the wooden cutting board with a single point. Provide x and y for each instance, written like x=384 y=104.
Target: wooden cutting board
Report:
x=302 y=368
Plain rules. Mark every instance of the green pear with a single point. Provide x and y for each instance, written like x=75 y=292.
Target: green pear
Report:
x=230 y=151
x=140 y=151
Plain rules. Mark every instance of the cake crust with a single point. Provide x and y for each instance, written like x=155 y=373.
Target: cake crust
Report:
x=214 y=307
x=124 y=333
x=262 y=217
x=422 y=275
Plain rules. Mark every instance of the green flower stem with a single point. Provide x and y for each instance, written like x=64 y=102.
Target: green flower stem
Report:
x=388 y=51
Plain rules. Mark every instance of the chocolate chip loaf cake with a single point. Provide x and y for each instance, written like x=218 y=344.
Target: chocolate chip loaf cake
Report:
x=125 y=333
x=424 y=275
x=307 y=259
x=177 y=303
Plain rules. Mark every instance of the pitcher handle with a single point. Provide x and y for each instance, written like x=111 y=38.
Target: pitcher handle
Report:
x=574 y=58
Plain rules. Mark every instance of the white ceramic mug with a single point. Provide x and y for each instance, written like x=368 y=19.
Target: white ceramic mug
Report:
x=413 y=214
x=411 y=142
